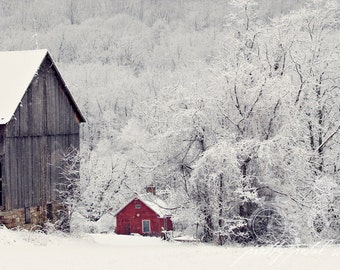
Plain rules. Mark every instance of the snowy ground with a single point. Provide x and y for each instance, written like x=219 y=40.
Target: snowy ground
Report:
x=26 y=250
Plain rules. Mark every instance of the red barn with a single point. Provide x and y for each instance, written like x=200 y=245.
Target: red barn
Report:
x=144 y=215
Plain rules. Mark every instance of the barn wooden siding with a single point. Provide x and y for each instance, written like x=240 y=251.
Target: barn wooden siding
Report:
x=45 y=123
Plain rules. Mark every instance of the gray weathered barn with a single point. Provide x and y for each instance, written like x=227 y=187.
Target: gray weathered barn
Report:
x=38 y=120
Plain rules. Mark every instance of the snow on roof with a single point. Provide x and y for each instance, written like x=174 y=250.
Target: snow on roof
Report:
x=17 y=70
x=154 y=203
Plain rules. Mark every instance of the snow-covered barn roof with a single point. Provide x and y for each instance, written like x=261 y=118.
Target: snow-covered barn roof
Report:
x=17 y=70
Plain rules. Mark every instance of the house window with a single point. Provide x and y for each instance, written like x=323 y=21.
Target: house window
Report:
x=146 y=226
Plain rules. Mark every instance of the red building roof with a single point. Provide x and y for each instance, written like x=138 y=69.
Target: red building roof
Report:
x=145 y=215
x=154 y=203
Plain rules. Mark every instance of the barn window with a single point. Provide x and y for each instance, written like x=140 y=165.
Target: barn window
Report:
x=146 y=226
x=49 y=211
x=137 y=206
x=27 y=215
x=0 y=184
x=0 y=192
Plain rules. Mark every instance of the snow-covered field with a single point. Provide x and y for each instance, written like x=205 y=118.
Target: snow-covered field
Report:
x=27 y=250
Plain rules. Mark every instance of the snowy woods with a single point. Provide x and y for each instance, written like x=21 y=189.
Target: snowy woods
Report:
x=230 y=108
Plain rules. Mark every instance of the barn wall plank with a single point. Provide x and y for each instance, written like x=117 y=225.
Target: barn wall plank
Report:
x=36 y=172
x=29 y=170
x=2 y=139
x=15 y=171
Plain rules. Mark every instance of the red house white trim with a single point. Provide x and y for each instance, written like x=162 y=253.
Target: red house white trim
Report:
x=144 y=215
